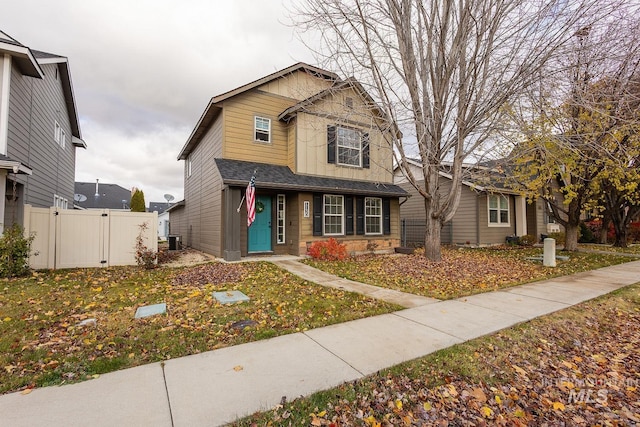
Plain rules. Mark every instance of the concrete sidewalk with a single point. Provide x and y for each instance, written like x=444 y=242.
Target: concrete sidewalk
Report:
x=220 y=386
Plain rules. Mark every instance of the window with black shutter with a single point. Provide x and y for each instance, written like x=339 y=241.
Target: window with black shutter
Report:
x=348 y=204
x=359 y=215
x=317 y=214
x=331 y=144
x=386 y=216
x=365 y=151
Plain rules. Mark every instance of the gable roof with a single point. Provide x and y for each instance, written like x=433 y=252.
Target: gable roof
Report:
x=488 y=177
x=213 y=108
x=22 y=55
x=109 y=196
x=238 y=173
x=28 y=62
x=350 y=83
x=159 y=207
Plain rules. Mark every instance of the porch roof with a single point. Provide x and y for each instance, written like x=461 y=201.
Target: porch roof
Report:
x=238 y=173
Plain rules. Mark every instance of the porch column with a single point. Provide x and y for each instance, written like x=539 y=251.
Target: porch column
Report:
x=231 y=224
x=521 y=215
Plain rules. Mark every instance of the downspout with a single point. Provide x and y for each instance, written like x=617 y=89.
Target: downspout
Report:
x=5 y=74
x=478 y=219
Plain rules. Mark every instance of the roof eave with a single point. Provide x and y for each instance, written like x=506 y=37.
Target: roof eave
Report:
x=15 y=167
x=25 y=59
x=207 y=118
x=309 y=188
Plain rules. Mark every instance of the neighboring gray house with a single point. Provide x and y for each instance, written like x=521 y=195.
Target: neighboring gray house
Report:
x=96 y=195
x=39 y=130
x=488 y=212
x=163 y=217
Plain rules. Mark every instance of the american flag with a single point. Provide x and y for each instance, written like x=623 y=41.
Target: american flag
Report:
x=251 y=201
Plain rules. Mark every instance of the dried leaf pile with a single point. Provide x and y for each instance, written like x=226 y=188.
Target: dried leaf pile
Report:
x=70 y=325
x=461 y=272
x=578 y=367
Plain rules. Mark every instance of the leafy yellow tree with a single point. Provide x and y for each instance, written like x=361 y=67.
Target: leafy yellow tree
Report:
x=585 y=149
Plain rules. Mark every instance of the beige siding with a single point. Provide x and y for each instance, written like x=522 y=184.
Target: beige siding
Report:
x=298 y=85
x=494 y=235
x=463 y=226
x=239 y=113
x=291 y=145
x=312 y=151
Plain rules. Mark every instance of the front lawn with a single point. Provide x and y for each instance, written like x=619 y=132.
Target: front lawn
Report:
x=631 y=249
x=42 y=342
x=463 y=271
x=576 y=367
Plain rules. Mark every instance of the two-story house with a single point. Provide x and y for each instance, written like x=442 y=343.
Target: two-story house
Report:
x=320 y=151
x=39 y=130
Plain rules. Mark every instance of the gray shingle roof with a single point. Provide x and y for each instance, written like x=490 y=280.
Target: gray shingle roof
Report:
x=236 y=172
x=110 y=196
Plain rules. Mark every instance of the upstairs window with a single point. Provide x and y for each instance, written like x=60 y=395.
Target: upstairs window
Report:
x=349 y=147
x=59 y=135
x=262 y=129
x=498 y=210
x=189 y=166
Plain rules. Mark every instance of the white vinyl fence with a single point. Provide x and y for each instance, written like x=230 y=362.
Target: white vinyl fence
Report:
x=67 y=238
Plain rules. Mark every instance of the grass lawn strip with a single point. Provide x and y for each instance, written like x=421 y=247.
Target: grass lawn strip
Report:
x=631 y=249
x=462 y=272
x=42 y=343
x=578 y=367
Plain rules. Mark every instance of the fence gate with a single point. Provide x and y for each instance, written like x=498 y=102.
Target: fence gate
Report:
x=67 y=238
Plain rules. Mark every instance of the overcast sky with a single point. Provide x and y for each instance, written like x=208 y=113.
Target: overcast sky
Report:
x=144 y=70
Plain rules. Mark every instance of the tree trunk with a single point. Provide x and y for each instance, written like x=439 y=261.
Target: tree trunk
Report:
x=432 y=235
x=571 y=236
x=604 y=231
x=621 y=235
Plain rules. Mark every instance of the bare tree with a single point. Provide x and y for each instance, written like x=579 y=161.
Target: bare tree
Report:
x=442 y=71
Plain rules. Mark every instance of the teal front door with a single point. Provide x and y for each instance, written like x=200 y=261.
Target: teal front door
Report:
x=259 y=235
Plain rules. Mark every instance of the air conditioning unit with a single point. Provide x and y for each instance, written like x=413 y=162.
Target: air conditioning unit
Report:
x=553 y=228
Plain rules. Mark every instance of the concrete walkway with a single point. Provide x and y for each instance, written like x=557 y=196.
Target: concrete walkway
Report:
x=219 y=386
x=325 y=279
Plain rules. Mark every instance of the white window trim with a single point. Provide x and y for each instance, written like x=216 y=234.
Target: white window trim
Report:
x=281 y=216
x=338 y=146
x=63 y=138
x=372 y=216
x=324 y=215
x=189 y=166
x=60 y=202
x=56 y=131
x=498 y=224
x=256 y=130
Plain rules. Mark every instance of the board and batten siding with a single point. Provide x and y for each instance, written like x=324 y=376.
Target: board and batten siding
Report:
x=34 y=107
x=239 y=138
x=298 y=85
x=311 y=156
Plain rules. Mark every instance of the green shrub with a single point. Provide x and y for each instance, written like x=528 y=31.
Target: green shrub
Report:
x=330 y=250
x=14 y=252
x=528 y=240
x=586 y=235
x=558 y=236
